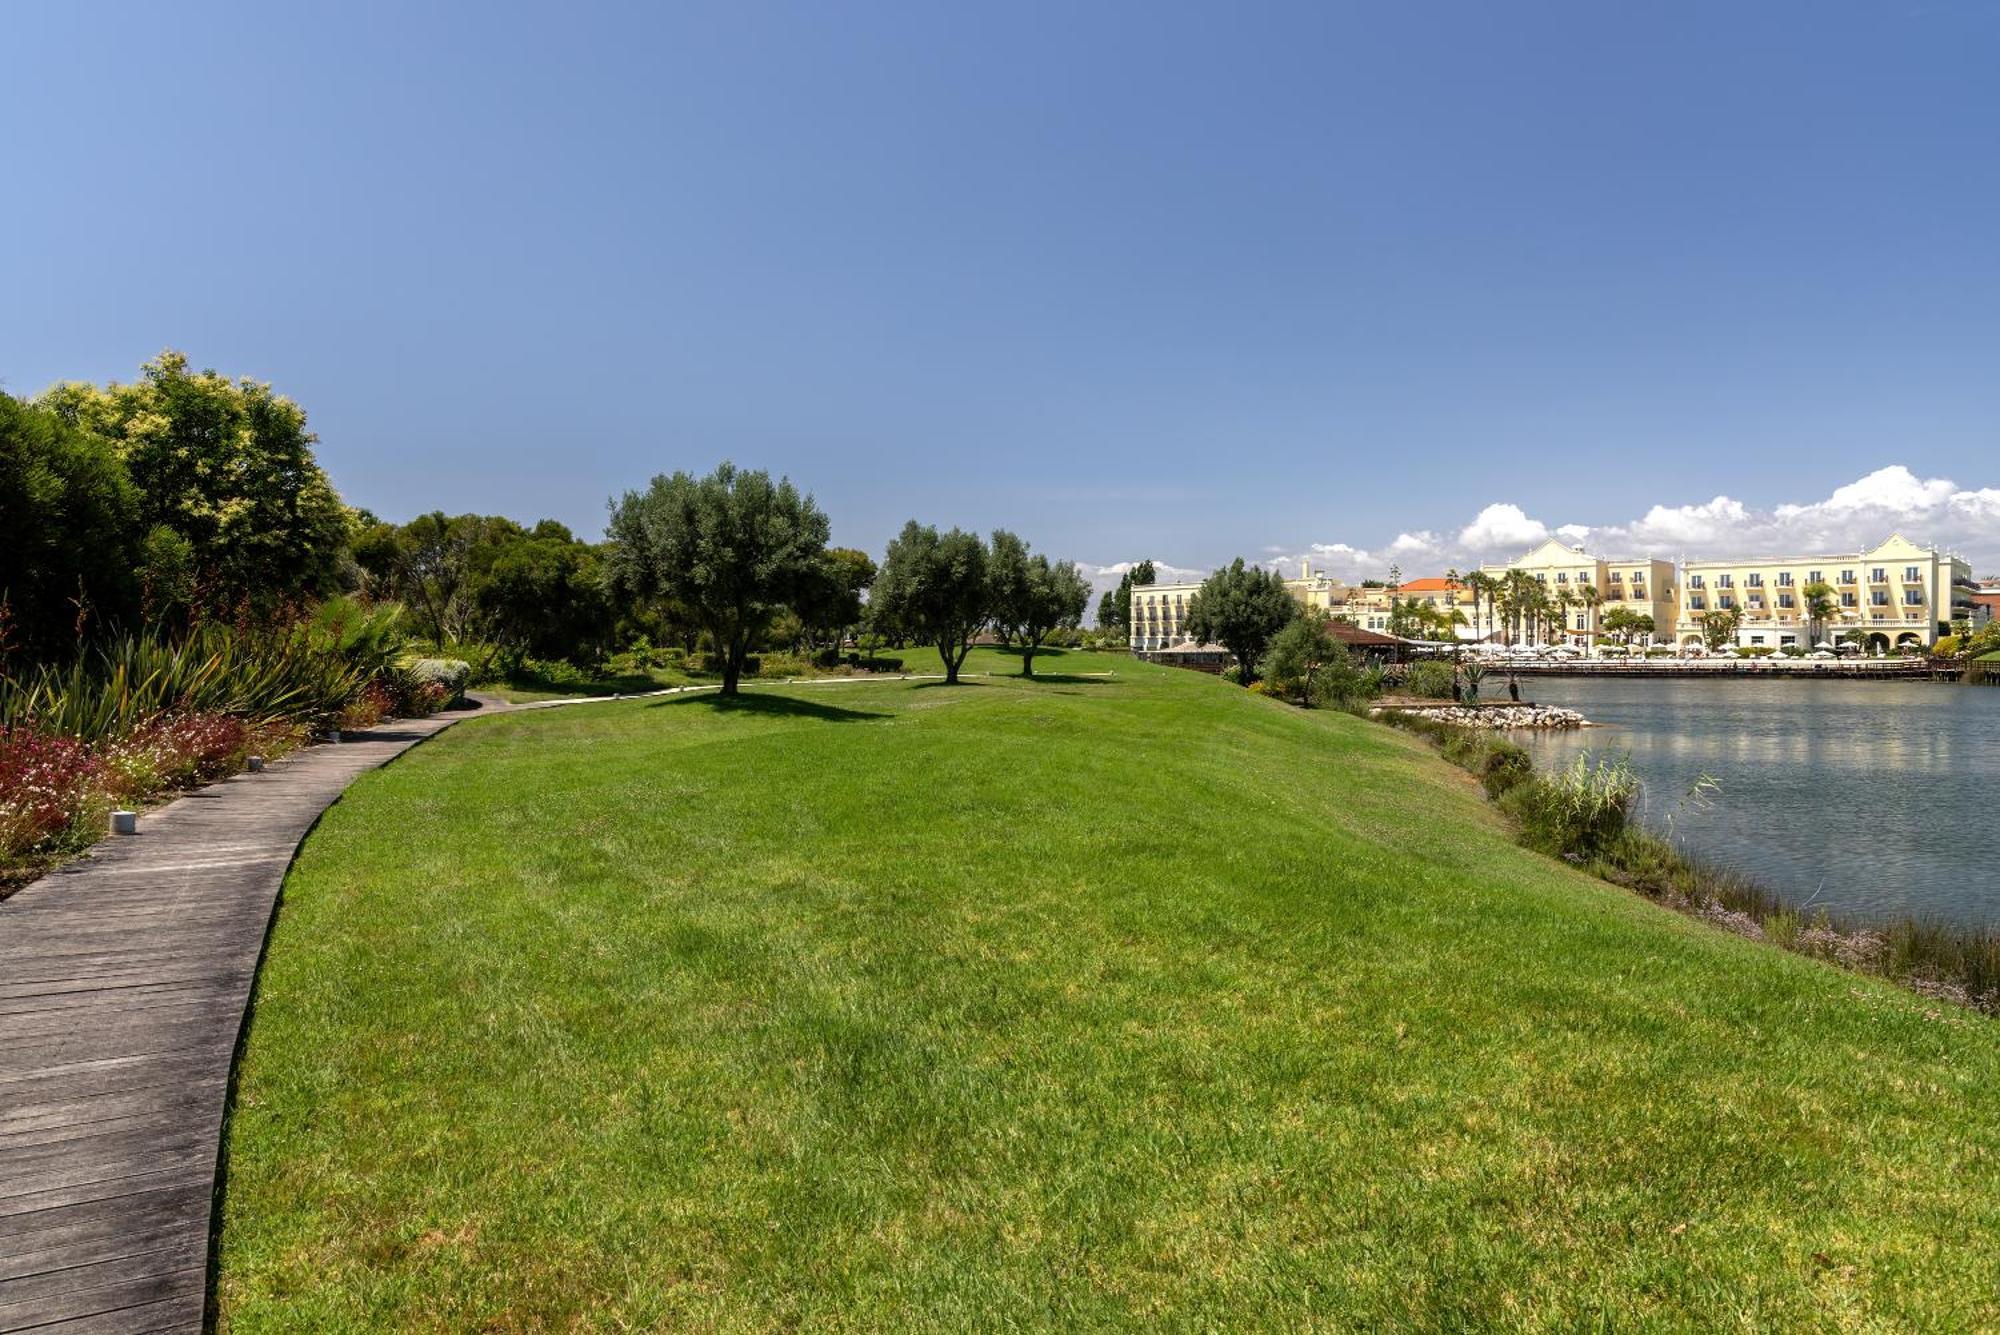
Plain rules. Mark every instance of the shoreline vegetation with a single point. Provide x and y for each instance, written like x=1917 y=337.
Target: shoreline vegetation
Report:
x=1583 y=815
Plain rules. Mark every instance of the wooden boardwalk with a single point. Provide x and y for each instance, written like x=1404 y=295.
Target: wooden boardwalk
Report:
x=124 y=982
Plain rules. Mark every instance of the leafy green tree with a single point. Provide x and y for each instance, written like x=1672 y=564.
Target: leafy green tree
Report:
x=830 y=603
x=1309 y=666
x=1242 y=609
x=1031 y=598
x=1114 y=609
x=70 y=539
x=227 y=468
x=543 y=595
x=934 y=588
x=1719 y=626
x=734 y=547
x=1006 y=581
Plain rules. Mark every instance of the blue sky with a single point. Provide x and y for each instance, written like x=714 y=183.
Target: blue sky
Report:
x=1184 y=282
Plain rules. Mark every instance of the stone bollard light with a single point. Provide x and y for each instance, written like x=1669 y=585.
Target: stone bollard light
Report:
x=124 y=822
x=255 y=764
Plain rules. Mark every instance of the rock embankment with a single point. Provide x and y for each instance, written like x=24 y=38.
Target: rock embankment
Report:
x=1504 y=716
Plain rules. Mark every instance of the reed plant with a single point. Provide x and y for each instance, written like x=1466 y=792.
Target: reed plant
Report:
x=1583 y=814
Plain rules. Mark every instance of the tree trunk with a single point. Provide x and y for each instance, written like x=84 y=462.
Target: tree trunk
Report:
x=948 y=651
x=1028 y=647
x=732 y=666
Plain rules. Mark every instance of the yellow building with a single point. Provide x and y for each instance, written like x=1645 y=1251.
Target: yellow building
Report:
x=1898 y=595
x=1158 y=610
x=1586 y=588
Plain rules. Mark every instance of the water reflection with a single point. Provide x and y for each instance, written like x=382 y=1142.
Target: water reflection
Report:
x=1867 y=797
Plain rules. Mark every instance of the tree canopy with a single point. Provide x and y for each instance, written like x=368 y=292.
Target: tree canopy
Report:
x=68 y=523
x=1114 y=609
x=1306 y=663
x=1030 y=597
x=935 y=589
x=829 y=602
x=1242 y=608
x=230 y=497
x=734 y=547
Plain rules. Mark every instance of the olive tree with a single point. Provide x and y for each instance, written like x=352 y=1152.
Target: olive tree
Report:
x=1031 y=597
x=1242 y=609
x=733 y=548
x=934 y=588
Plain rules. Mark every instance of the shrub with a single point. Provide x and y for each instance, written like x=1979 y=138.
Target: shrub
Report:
x=451 y=675
x=875 y=662
x=367 y=709
x=174 y=751
x=1578 y=811
x=779 y=665
x=48 y=791
x=1430 y=678
x=1504 y=766
x=1756 y=651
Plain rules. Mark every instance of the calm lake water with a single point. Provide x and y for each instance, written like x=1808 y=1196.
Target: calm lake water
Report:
x=1872 y=798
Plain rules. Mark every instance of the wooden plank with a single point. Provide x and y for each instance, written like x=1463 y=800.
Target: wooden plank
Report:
x=125 y=980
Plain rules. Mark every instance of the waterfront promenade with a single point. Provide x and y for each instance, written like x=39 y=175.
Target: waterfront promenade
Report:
x=1883 y=669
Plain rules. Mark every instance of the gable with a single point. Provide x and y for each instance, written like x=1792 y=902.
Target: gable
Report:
x=1896 y=548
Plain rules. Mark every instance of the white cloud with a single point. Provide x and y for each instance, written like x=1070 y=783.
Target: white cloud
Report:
x=1415 y=544
x=1852 y=517
x=1893 y=488
x=1501 y=525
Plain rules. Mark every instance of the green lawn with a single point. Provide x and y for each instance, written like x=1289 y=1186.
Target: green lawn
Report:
x=1060 y=1005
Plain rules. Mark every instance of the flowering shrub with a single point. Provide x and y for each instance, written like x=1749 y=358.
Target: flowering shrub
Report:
x=375 y=703
x=49 y=790
x=174 y=751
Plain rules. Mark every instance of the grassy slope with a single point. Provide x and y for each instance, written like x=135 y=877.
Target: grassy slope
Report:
x=1064 y=1005
x=528 y=687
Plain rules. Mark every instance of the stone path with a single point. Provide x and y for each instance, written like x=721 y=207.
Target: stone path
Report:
x=124 y=981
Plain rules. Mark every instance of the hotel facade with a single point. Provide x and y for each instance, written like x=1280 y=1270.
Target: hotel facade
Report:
x=1643 y=585
x=1897 y=595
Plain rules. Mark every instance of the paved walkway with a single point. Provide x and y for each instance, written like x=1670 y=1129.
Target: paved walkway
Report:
x=124 y=981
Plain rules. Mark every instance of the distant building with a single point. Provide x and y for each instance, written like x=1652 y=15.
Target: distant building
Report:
x=1157 y=613
x=1159 y=610
x=1985 y=602
x=1594 y=586
x=1897 y=595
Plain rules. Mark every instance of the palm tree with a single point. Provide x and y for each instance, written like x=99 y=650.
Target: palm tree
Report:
x=1521 y=588
x=1563 y=602
x=1820 y=608
x=1589 y=599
